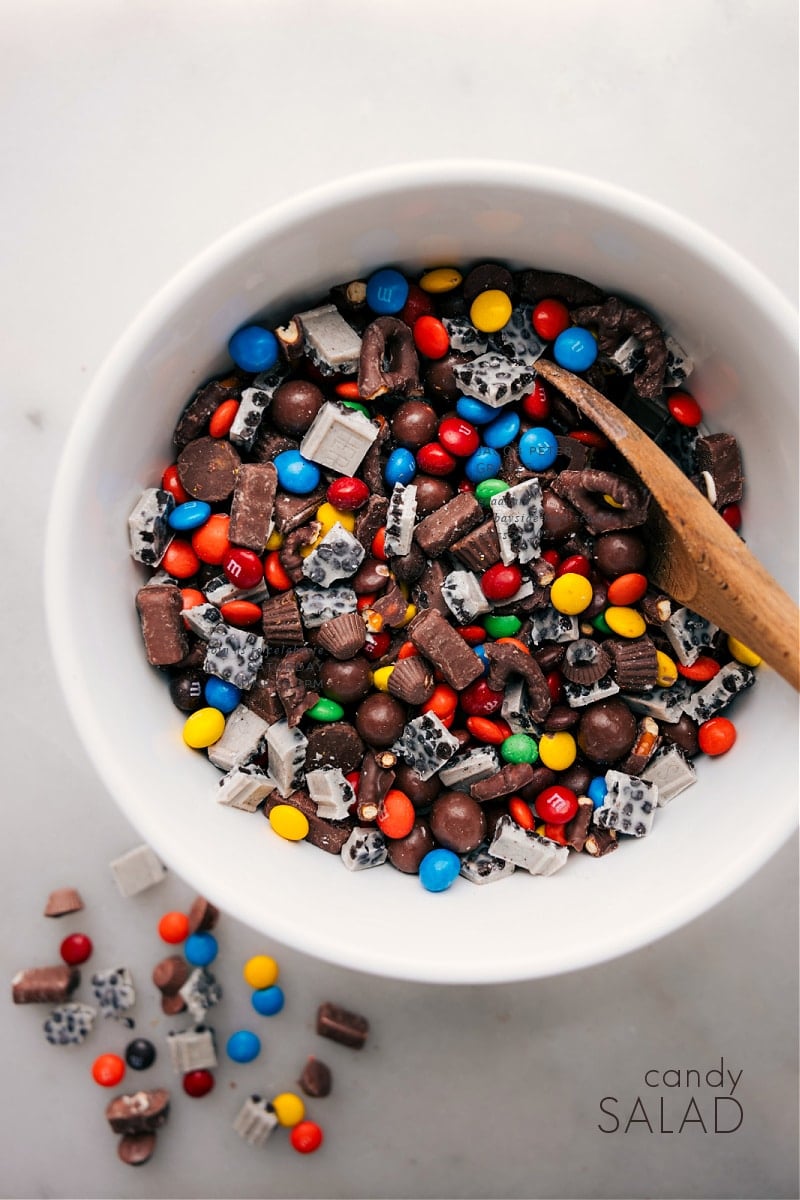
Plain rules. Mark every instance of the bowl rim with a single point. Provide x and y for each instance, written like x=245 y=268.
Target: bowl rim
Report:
x=295 y=210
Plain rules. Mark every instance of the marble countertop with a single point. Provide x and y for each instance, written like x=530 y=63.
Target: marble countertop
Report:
x=132 y=134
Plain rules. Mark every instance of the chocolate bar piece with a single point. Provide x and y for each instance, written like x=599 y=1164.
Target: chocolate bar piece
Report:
x=434 y=637
x=338 y=438
x=435 y=533
x=342 y=1026
x=505 y=782
x=671 y=772
x=479 y=549
x=718 y=455
x=325 y=835
x=330 y=343
x=163 y=631
x=139 y=1112
x=201 y=408
x=252 y=505
x=44 y=985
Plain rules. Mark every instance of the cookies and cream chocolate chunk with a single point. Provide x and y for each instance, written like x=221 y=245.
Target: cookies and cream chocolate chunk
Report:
x=337 y=556
x=244 y=787
x=426 y=745
x=242 y=739
x=148 y=526
x=234 y=655
x=364 y=848
x=338 y=438
x=524 y=848
x=331 y=344
x=69 y=1024
x=255 y=1120
x=519 y=518
x=629 y=806
x=494 y=379
x=286 y=750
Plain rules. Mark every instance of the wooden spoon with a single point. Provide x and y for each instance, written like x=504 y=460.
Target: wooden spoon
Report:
x=699 y=561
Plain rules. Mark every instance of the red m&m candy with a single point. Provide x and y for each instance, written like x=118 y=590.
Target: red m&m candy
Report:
x=433 y=459
x=348 y=493
x=459 y=437
x=550 y=318
x=243 y=567
x=76 y=948
x=556 y=805
x=501 y=582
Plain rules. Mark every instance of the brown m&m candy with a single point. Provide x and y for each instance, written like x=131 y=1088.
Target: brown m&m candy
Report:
x=414 y=423
x=606 y=731
x=295 y=405
x=346 y=682
x=380 y=719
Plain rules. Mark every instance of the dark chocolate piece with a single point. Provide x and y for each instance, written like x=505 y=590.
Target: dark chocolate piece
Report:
x=293 y=691
x=63 y=901
x=506 y=782
x=479 y=549
x=370 y=519
x=616 y=321
x=202 y=407
x=163 y=631
x=411 y=681
x=438 y=641
x=325 y=835
x=718 y=454
x=388 y=362
x=293 y=511
x=559 y=519
x=289 y=554
x=268 y=445
x=208 y=469
x=340 y=1025
x=316 y=1079
x=441 y=529
x=281 y=620
x=262 y=698
x=428 y=591
x=607 y=730
x=252 y=505
x=372 y=464
x=138 y=1112
x=334 y=745
x=44 y=985
x=391 y=607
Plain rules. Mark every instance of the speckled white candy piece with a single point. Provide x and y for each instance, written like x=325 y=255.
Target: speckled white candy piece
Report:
x=191 y=1049
x=729 y=681
x=400 y=519
x=493 y=378
x=220 y=590
x=679 y=363
x=519 y=518
x=244 y=787
x=200 y=993
x=426 y=745
x=331 y=793
x=254 y=403
x=338 y=438
x=318 y=605
x=337 y=556
x=578 y=695
x=286 y=756
x=330 y=343
x=689 y=634
x=69 y=1024
x=464 y=597
x=630 y=804
x=478 y=763
x=481 y=867
x=242 y=739
x=515 y=708
x=518 y=339
x=137 y=870
x=148 y=526
x=672 y=773
x=526 y=849
x=202 y=619
x=628 y=356
x=113 y=990
x=665 y=704
x=364 y=848
x=255 y=1121
x=550 y=625
x=464 y=337
x=234 y=655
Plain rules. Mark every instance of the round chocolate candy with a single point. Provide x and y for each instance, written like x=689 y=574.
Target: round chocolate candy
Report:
x=432 y=493
x=440 y=379
x=295 y=405
x=345 y=682
x=407 y=853
x=421 y=792
x=457 y=822
x=561 y=717
x=140 y=1054
x=186 y=690
x=208 y=468
x=577 y=778
x=487 y=277
x=407 y=568
x=684 y=734
x=380 y=719
x=335 y=745
x=371 y=577
x=559 y=519
x=414 y=423
x=606 y=731
x=619 y=553
x=543 y=777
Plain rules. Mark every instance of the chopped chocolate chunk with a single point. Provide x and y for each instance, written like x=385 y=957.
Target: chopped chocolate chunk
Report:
x=577 y=830
x=441 y=529
x=293 y=691
x=324 y=834
x=201 y=408
x=718 y=455
x=340 y=1025
x=208 y=469
x=391 y=607
x=316 y=1079
x=252 y=505
x=370 y=519
x=479 y=549
x=262 y=698
x=600 y=842
x=293 y=511
x=586 y=490
x=508 y=780
x=44 y=985
x=428 y=592
x=163 y=631
x=442 y=646
x=635 y=663
x=334 y=745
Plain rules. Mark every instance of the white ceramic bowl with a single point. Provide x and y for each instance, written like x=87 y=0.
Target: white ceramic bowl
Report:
x=708 y=841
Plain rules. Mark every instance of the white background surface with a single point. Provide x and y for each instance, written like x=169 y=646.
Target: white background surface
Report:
x=131 y=134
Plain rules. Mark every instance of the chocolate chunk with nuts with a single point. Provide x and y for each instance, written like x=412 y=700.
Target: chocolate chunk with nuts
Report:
x=139 y=1112
x=600 y=842
x=340 y=1025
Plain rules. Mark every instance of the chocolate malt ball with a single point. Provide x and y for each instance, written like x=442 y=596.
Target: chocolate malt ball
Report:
x=607 y=731
x=414 y=423
x=407 y=853
x=457 y=822
x=294 y=406
x=619 y=554
x=380 y=719
x=432 y=493
x=559 y=519
x=346 y=682
x=421 y=792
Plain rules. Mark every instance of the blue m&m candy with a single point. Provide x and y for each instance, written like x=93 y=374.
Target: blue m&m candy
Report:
x=268 y=1001
x=254 y=348
x=502 y=430
x=439 y=870
x=596 y=791
x=387 y=291
x=243 y=1046
x=401 y=467
x=575 y=349
x=485 y=463
x=538 y=449
x=189 y=515
x=295 y=473
x=475 y=411
x=480 y=650
x=221 y=694
x=200 y=949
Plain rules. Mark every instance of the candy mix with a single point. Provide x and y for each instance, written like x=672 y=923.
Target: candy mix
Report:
x=399 y=585
x=187 y=989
